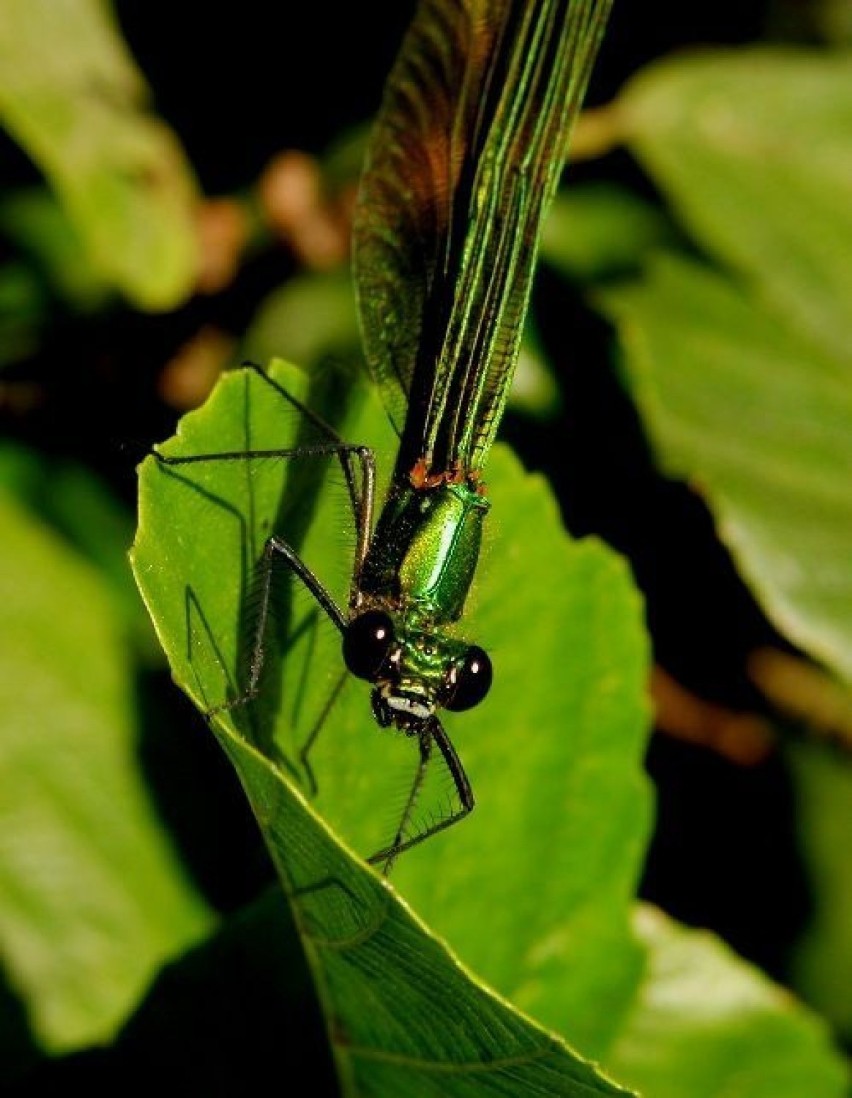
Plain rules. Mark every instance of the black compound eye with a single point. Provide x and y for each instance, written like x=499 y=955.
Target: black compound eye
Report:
x=366 y=643
x=470 y=681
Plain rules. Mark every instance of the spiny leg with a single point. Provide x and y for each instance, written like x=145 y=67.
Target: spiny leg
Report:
x=433 y=731
x=362 y=502
x=360 y=498
x=319 y=449
x=388 y=855
x=334 y=444
x=294 y=402
x=274 y=549
x=361 y=494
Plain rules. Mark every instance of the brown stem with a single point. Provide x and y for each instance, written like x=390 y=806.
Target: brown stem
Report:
x=805 y=693
x=743 y=738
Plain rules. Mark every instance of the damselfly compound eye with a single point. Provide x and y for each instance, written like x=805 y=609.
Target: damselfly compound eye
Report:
x=366 y=643
x=470 y=680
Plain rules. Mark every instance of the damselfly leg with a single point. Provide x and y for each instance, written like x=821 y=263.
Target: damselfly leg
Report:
x=432 y=733
x=358 y=469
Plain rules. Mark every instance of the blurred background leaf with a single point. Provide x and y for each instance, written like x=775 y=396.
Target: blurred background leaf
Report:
x=743 y=380
x=751 y=149
x=756 y=415
x=823 y=960
x=74 y=99
x=93 y=898
x=32 y=219
x=706 y=1024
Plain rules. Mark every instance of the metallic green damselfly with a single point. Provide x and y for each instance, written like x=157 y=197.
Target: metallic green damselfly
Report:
x=464 y=158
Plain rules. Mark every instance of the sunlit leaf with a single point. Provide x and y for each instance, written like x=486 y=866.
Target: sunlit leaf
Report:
x=745 y=385
x=201 y=528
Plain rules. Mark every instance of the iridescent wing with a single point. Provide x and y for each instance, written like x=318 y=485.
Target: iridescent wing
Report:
x=464 y=157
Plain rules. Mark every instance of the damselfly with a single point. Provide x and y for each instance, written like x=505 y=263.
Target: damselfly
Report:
x=463 y=160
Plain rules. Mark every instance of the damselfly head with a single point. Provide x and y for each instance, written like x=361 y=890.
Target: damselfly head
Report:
x=415 y=670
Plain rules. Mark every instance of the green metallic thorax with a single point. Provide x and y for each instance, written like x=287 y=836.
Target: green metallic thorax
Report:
x=424 y=551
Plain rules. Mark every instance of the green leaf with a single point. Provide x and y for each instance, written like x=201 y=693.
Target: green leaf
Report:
x=23 y=308
x=705 y=1025
x=533 y=891
x=753 y=150
x=759 y=417
x=78 y=506
x=92 y=898
x=35 y=222
x=823 y=962
x=430 y=1029
x=600 y=231
x=538 y=759
x=745 y=385
x=73 y=98
x=310 y=318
